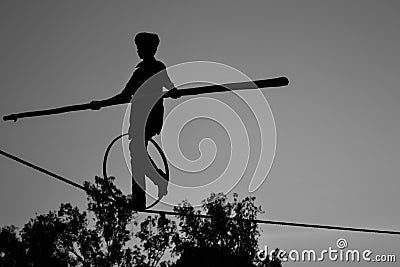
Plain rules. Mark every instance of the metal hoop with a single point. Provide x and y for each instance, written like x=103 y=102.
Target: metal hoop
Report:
x=165 y=174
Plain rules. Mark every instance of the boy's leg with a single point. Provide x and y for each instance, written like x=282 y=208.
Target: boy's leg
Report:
x=159 y=181
x=156 y=178
x=138 y=179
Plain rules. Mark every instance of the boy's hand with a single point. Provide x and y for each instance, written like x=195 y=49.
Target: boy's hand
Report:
x=96 y=105
x=173 y=93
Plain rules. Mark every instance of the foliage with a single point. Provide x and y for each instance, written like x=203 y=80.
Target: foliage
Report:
x=110 y=234
x=11 y=249
x=237 y=239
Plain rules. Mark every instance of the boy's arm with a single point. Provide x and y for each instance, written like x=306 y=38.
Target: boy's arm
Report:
x=123 y=97
x=168 y=84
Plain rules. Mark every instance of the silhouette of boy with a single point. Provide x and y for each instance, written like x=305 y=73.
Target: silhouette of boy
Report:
x=147 y=114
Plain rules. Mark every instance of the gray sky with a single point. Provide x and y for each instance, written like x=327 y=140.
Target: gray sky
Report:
x=337 y=123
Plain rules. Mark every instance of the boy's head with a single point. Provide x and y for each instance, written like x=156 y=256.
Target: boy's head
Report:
x=146 y=44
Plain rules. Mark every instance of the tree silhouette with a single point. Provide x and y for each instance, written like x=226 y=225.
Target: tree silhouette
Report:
x=110 y=234
x=12 y=252
x=217 y=241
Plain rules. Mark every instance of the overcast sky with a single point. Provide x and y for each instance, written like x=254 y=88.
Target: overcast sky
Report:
x=338 y=122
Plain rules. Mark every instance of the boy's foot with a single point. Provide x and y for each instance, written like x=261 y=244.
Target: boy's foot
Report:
x=139 y=200
x=137 y=206
x=162 y=190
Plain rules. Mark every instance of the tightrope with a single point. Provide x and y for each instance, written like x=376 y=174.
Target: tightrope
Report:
x=161 y=212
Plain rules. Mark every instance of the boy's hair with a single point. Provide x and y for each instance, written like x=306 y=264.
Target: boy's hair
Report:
x=147 y=40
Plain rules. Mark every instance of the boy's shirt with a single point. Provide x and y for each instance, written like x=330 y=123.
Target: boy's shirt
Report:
x=149 y=78
x=144 y=76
